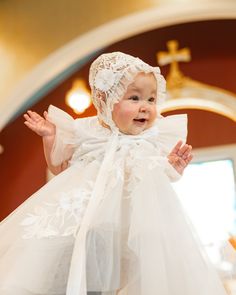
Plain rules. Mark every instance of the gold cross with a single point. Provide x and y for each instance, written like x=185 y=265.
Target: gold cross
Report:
x=173 y=57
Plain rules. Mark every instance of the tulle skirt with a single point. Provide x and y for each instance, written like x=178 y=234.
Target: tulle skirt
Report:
x=135 y=240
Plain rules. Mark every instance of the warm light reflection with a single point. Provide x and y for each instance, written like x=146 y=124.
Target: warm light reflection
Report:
x=79 y=98
x=1 y=149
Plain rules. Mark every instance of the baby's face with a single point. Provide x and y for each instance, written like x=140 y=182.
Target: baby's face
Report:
x=136 y=111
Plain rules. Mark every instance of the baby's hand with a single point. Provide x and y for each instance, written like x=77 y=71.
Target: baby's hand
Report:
x=180 y=156
x=38 y=124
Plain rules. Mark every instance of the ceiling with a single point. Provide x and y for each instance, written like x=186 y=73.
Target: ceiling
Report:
x=32 y=32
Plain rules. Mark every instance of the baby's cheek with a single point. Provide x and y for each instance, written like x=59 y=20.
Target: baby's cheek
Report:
x=124 y=112
x=154 y=113
x=130 y=108
x=129 y=115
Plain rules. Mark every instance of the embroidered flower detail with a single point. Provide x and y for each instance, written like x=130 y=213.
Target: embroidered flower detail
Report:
x=59 y=218
x=74 y=202
x=105 y=79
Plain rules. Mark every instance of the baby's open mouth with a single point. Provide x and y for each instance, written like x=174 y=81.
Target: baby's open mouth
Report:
x=140 y=120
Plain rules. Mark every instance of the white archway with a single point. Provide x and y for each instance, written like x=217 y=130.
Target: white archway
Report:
x=122 y=28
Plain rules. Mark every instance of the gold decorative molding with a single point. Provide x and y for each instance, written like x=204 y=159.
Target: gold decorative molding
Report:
x=184 y=92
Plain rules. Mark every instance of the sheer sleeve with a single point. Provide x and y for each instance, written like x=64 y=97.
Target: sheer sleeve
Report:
x=171 y=129
x=64 y=142
x=171 y=171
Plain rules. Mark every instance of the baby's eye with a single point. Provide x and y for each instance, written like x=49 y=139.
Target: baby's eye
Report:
x=152 y=99
x=135 y=97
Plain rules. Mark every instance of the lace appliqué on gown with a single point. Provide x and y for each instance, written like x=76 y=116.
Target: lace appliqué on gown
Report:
x=135 y=164
x=59 y=218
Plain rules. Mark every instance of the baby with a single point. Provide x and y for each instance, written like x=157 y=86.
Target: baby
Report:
x=133 y=113
x=109 y=221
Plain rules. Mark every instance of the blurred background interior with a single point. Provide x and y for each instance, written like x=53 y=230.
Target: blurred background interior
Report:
x=46 y=48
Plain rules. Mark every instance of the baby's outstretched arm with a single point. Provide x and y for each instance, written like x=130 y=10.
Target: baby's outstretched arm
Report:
x=47 y=130
x=180 y=156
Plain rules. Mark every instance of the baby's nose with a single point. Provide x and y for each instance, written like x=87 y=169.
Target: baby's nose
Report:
x=143 y=107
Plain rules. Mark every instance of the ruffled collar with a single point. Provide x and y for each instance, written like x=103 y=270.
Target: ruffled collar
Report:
x=165 y=130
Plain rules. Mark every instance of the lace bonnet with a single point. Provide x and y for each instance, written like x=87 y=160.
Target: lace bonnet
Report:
x=109 y=76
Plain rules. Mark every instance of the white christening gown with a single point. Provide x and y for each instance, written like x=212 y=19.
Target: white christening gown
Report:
x=109 y=223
